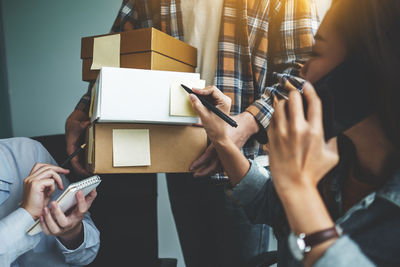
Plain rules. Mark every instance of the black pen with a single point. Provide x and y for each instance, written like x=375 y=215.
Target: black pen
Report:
x=73 y=155
x=212 y=108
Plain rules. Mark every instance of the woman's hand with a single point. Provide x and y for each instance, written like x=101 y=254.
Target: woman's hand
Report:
x=299 y=155
x=216 y=127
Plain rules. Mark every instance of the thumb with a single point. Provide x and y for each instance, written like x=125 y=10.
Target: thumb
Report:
x=197 y=105
x=84 y=124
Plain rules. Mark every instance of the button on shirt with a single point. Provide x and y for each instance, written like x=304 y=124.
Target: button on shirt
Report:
x=17 y=157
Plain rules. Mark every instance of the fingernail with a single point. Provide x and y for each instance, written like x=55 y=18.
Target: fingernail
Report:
x=192 y=97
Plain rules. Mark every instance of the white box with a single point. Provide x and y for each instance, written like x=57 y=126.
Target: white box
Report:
x=138 y=96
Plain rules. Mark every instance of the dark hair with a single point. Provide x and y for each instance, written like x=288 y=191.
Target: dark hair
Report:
x=371 y=32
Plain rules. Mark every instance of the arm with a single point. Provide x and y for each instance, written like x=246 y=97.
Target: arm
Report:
x=79 y=239
x=253 y=188
x=83 y=251
x=78 y=120
x=286 y=45
x=299 y=158
x=14 y=240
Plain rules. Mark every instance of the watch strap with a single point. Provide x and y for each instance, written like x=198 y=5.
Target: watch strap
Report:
x=319 y=237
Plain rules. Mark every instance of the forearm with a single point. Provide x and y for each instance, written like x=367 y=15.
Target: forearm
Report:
x=307 y=213
x=233 y=161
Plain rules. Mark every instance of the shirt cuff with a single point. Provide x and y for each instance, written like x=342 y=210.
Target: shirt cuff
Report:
x=344 y=252
x=81 y=247
x=251 y=184
x=262 y=110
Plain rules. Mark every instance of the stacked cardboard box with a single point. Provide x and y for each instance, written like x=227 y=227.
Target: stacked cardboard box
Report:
x=135 y=129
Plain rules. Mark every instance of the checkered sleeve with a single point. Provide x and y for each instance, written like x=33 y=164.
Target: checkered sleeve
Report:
x=293 y=25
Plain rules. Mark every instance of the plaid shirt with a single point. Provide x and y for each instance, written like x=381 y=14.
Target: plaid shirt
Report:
x=256 y=37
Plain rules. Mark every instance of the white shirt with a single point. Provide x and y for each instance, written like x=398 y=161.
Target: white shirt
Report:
x=17 y=248
x=201 y=24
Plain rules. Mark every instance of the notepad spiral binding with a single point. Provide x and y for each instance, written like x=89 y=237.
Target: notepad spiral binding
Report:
x=87 y=182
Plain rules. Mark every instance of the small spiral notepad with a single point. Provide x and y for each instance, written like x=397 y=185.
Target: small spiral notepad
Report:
x=68 y=199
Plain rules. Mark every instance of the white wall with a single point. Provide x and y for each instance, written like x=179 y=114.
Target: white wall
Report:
x=42 y=40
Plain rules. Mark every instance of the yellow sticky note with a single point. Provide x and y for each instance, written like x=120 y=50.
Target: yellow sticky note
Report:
x=131 y=147
x=179 y=99
x=106 y=51
x=90 y=145
x=92 y=99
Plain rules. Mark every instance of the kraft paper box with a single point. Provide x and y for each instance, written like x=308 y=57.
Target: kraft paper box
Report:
x=143 y=48
x=114 y=148
x=123 y=95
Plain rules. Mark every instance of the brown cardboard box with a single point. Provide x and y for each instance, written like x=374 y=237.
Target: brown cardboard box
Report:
x=172 y=148
x=144 y=49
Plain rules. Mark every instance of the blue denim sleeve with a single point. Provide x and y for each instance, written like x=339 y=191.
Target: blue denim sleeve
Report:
x=256 y=194
x=344 y=253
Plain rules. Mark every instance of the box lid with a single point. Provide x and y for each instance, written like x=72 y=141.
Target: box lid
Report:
x=145 y=40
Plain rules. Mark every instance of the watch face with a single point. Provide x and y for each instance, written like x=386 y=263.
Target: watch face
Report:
x=296 y=246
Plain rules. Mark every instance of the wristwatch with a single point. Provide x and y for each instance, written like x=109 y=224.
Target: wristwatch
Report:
x=302 y=244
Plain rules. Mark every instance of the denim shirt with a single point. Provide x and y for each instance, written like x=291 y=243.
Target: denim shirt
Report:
x=17 y=248
x=371 y=227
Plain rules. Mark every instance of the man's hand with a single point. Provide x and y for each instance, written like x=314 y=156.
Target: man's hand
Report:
x=208 y=163
x=68 y=228
x=75 y=127
x=39 y=186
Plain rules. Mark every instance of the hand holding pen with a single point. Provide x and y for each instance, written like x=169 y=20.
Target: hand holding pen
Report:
x=216 y=127
x=211 y=106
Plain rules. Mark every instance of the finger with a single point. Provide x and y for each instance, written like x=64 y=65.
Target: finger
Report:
x=50 y=173
x=84 y=124
x=289 y=87
x=314 y=112
x=54 y=229
x=206 y=157
x=44 y=184
x=295 y=108
x=198 y=106
x=280 y=117
x=37 y=166
x=44 y=227
x=90 y=198
x=44 y=167
x=213 y=92
x=60 y=217
x=208 y=170
x=206 y=91
x=82 y=206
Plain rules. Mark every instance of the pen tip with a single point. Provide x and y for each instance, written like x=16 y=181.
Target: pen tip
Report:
x=83 y=146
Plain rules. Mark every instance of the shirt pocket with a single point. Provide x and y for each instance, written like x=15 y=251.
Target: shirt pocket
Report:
x=4 y=191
